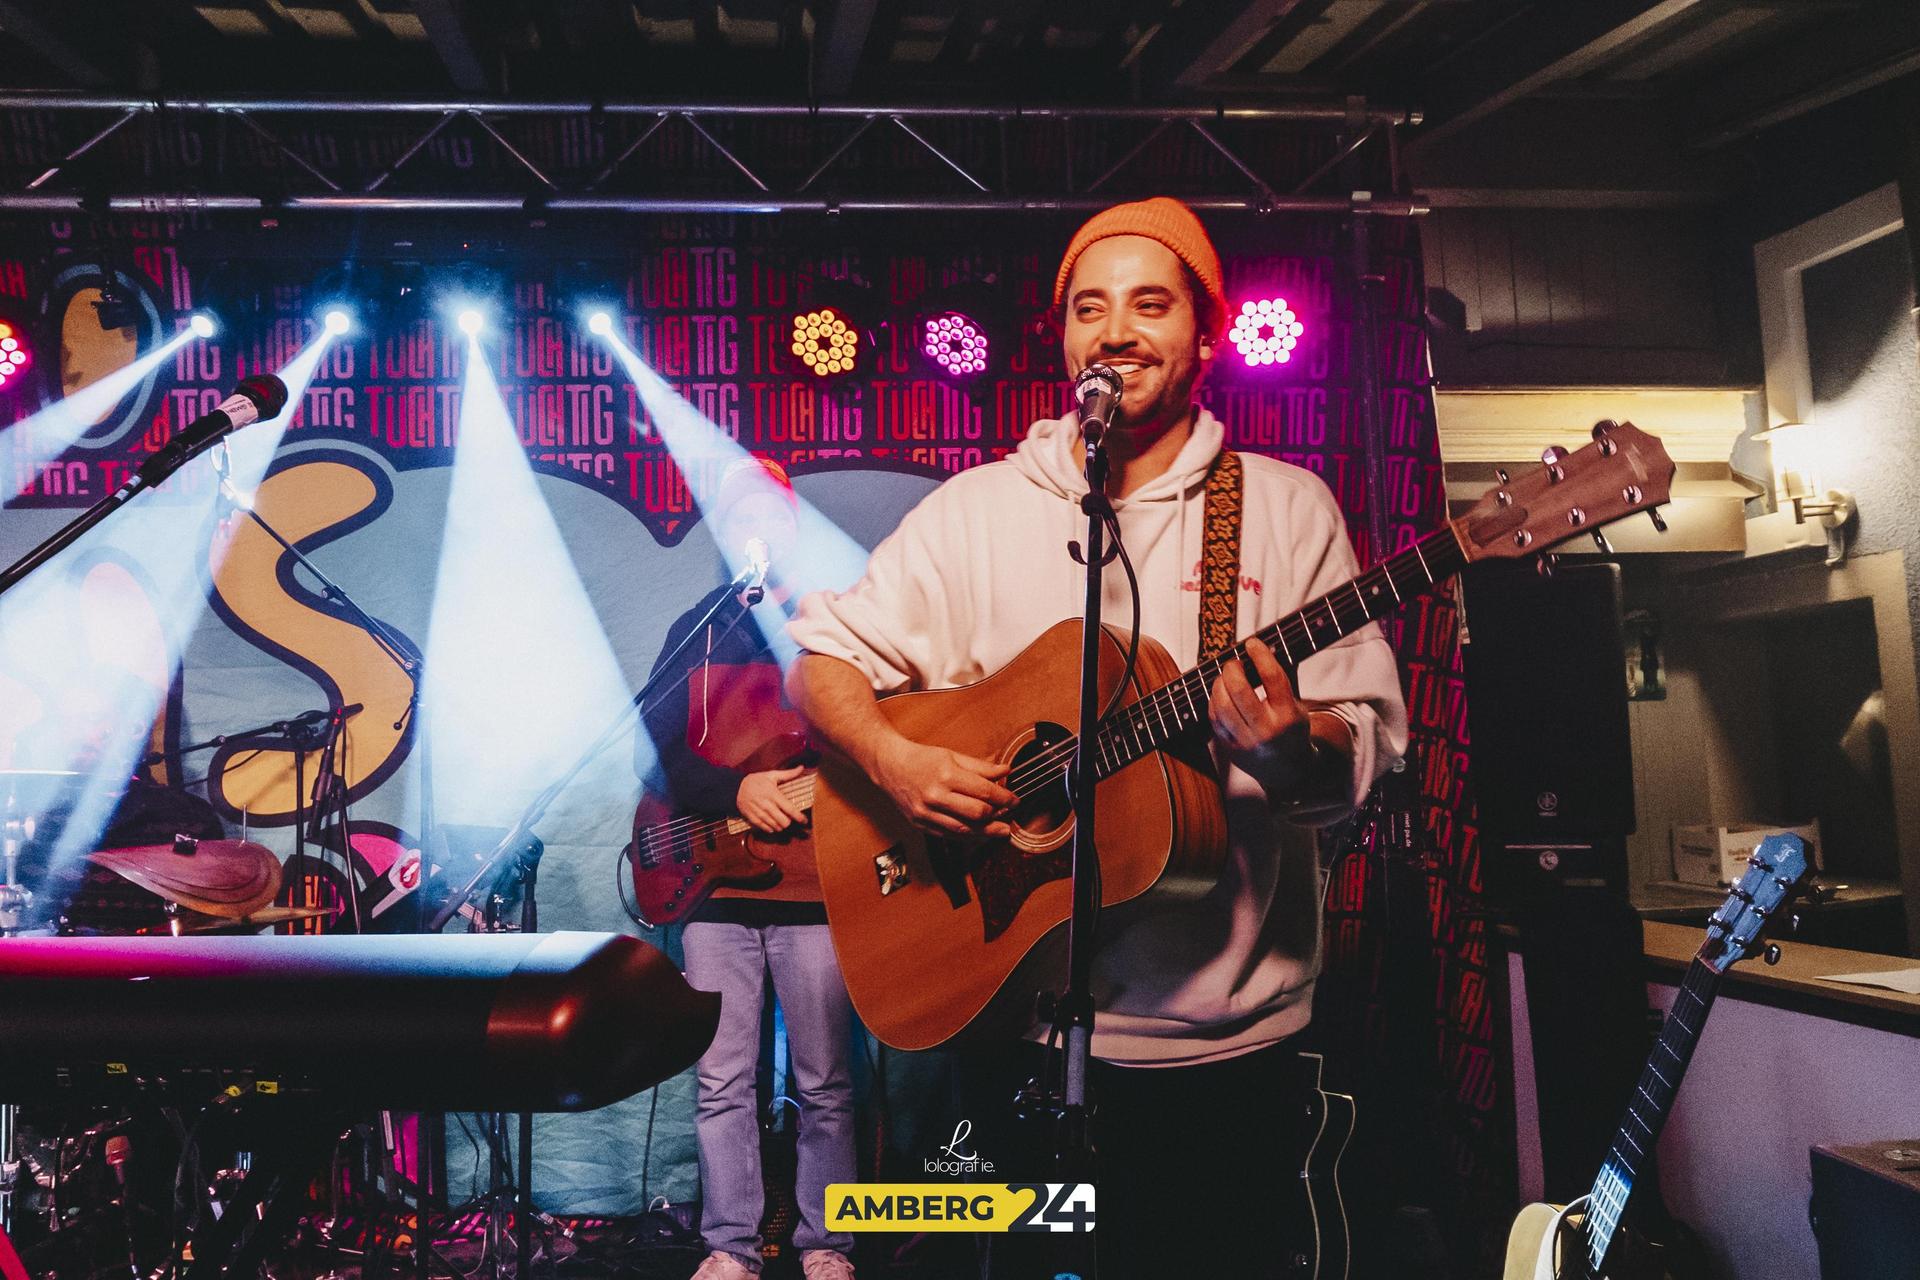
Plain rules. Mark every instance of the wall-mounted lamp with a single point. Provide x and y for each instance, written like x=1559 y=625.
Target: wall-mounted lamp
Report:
x=1796 y=476
x=1796 y=480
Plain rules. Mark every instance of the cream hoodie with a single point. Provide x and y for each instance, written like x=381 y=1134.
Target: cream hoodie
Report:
x=980 y=568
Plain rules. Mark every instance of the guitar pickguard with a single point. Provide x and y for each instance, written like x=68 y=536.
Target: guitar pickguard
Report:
x=1004 y=877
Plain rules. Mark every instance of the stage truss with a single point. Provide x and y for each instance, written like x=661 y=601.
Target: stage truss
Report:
x=273 y=171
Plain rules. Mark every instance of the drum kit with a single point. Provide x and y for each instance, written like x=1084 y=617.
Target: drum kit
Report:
x=190 y=885
x=65 y=1196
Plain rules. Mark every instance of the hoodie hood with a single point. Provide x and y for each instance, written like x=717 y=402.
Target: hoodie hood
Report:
x=1053 y=457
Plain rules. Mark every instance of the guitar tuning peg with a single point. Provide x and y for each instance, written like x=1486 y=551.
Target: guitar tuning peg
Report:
x=1603 y=427
x=1659 y=524
x=1546 y=564
x=1772 y=954
x=1552 y=456
x=1500 y=474
x=1602 y=434
x=1600 y=541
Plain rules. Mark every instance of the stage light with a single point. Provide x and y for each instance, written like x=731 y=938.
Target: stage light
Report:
x=338 y=321
x=202 y=325
x=13 y=352
x=600 y=323
x=1266 y=332
x=471 y=321
x=956 y=343
x=116 y=308
x=825 y=341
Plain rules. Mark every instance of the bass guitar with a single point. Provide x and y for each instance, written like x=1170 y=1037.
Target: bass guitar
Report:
x=938 y=936
x=1583 y=1240
x=679 y=857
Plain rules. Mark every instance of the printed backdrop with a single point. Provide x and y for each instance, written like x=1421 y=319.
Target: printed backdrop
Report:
x=362 y=481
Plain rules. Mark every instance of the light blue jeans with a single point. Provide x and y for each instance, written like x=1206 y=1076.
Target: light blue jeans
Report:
x=735 y=959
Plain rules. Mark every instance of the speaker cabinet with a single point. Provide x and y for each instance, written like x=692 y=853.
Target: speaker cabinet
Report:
x=1547 y=704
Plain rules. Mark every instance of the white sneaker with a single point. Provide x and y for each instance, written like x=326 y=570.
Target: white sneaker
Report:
x=721 y=1265
x=826 y=1264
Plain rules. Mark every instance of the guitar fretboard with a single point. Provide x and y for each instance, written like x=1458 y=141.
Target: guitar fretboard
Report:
x=1647 y=1110
x=1180 y=704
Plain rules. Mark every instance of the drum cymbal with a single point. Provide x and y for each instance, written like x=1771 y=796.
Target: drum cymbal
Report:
x=231 y=879
x=264 y=918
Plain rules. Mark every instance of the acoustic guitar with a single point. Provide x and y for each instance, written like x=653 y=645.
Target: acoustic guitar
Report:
x=1584 y=1240
x=938 y=936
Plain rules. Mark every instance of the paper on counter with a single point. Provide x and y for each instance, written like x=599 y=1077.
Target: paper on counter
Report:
x=1903 y=980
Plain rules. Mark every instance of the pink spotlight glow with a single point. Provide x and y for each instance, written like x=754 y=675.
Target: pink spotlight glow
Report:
x=955 y=343
x=1266 y=332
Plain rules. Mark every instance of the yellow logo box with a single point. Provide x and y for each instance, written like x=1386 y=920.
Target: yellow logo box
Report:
x=960 y=1206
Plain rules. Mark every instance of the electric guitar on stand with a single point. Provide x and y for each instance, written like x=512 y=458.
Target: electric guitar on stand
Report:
x=1581 y=1240
x=935 y=936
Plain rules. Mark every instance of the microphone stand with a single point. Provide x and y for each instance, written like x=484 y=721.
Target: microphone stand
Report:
x=188 y=443
x=1073 y=1009
x=408 y=659
x=524 y=849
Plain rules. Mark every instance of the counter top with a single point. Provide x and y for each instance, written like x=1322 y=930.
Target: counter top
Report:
x=1670 y=948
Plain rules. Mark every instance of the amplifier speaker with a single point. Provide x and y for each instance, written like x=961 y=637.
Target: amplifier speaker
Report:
x=1866 y=1210
x=1547 y=703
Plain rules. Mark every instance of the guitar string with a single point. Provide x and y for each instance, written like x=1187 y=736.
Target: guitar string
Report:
x=1611 y=1194
x=1043 y=769
x=665 y=837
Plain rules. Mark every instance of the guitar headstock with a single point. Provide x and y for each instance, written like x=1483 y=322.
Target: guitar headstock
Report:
x=1624 y=470
x=1773 y=873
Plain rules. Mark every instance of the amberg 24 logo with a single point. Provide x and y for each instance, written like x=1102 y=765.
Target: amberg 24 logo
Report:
x=978 y=1206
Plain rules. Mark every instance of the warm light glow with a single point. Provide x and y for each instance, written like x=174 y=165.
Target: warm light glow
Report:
x=1794 y=472
x=202 y=325
x=825 y=342
x=470 y=322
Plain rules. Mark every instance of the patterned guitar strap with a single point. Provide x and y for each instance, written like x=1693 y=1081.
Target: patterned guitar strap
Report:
x=1220 y=557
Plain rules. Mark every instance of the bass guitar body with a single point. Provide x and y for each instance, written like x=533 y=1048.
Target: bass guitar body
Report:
x=985 y=916
x=679 y=858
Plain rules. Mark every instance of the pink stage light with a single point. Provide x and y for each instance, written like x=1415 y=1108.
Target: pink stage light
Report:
x=13 y=351
x=1266 y=332
x=955 y=343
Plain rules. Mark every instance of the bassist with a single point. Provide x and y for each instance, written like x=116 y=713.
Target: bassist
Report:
x=723 y=713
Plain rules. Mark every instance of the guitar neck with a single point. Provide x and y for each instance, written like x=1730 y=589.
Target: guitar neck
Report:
x=1647 y=1109
x=1180 y=704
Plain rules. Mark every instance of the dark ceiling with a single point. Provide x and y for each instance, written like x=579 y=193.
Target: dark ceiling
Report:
x=1693 y=75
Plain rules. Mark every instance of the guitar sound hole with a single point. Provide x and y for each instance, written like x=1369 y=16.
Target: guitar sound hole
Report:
x=1044 y=813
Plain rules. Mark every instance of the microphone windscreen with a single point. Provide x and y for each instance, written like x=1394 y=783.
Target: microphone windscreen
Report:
x=266 y=391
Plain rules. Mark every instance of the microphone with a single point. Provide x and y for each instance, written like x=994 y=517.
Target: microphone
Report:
x=255 y=398
x=1097 y=392
x=758 y=559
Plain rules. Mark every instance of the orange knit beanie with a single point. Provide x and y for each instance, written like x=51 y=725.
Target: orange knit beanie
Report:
x=1172 y=224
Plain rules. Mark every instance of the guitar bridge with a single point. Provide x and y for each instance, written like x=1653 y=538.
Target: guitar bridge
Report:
x=892 y=871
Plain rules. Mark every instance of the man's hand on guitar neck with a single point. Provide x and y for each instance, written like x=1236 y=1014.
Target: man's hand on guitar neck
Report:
x=766 y=808
x=1273 y=736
